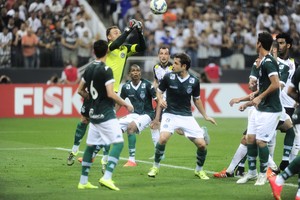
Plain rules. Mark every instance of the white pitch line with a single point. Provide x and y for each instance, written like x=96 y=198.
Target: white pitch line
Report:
x=121 y=158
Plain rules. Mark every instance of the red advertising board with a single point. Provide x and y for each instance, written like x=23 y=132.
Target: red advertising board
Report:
x=41 y=100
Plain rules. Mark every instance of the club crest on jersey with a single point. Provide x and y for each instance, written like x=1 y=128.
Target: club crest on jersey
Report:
x=143 y=85
x=172 y=76
x=192 y=80
x=83 y=109
x=189 y=90
x=142 y=95
x=122 y=55
x=127 y=86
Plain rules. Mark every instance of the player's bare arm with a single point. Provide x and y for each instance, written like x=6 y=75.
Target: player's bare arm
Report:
x=111 y=94
x=199 y=106
x=81 y=90
x=275 y=84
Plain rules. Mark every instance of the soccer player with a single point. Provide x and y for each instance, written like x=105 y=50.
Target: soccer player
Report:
x=159 y=70
x=140 y=92
x=177 y=113
x=293 y=91
x=277 y=182
x=261 y=127
x=104 y=126
x=118 y=53
x=284 y=44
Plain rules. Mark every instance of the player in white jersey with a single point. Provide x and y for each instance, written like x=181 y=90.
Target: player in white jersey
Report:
x=284 y=44
x=159 y=70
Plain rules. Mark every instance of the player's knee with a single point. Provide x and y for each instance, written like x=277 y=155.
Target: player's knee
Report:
x=131 y=129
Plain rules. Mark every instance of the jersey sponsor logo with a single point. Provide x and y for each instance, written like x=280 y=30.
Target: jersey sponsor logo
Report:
x=93 y=116
x=174 y=86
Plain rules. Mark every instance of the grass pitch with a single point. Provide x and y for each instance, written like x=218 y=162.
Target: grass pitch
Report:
x=33 y=165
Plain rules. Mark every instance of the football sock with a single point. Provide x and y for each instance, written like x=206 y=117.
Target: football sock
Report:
x=159 y=152
x=288 y=143
x=155 y=136
x=79 y=133
x=201 y=156
x=86 y=163
x=293 y=168
x=263 y=158
x=238 y=156
x=252 y=154
x=242 y=163
x=296 y=146
x=272 y=144
x=131 y=146
x=113 y=159
x=106 y=149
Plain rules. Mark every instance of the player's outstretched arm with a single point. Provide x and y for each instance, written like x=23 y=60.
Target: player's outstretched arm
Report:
x=199 y=106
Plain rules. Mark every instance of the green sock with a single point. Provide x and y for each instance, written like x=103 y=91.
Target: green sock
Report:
x=79 y=133
x=288 y=143
x=159 y=152
x=131 y=144
x=114 y=155
x=87 y=160
x=106 y=149
x=263 y=158
x=293 y=168
x=201 y=156
x=252 y=154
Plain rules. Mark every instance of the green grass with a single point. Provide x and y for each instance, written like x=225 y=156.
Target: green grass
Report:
x=31 y=166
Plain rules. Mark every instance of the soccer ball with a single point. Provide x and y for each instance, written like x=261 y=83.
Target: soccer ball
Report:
x=158 y=7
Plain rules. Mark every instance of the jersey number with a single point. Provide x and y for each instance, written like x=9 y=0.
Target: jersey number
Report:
x=93 y=91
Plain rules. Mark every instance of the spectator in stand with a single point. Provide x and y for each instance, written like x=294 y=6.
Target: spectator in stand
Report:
x=5 y=79
x=34 y=22
x=226 y=49
x=264 y=20
x=17 y=54
x=213 y=72
x=5 y=44
x=202 y=49
x=250 y=47
x=215 y=44
x=47 y=44
x=56 y=6
x=70 y=75
x=85 y=45
x=282 y=21
x=69 y=41
x=29 y=44
x=191 y=47
x=237 y=58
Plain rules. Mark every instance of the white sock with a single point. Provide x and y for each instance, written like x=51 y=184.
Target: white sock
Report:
x=198 y=168
x=298 y=193
x=105 y=158
x=155 y=136
x=296 y=146
x=271 y=163
x=107 y=175
x=75 y=149
x=83 y=179
x=132 y=159
x=238 y=156
x=279 y=180
x=272 y=144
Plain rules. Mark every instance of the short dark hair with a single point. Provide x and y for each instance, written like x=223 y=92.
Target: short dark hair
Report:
x=134 y=65
x=184 y=59
x=109 y=29
x=266 y=40
x=100 y=48
x=163 y=47
x=285 y=36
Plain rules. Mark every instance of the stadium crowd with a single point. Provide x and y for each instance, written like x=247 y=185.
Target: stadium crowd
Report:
x=51 y=33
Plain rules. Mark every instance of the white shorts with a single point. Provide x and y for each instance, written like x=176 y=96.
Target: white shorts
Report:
x=189 y=125
x=284 y=116
x=141 y=121
x=263 y=125
x=105 y=133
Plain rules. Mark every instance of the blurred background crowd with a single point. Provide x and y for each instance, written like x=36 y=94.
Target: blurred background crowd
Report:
x=55 y=33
